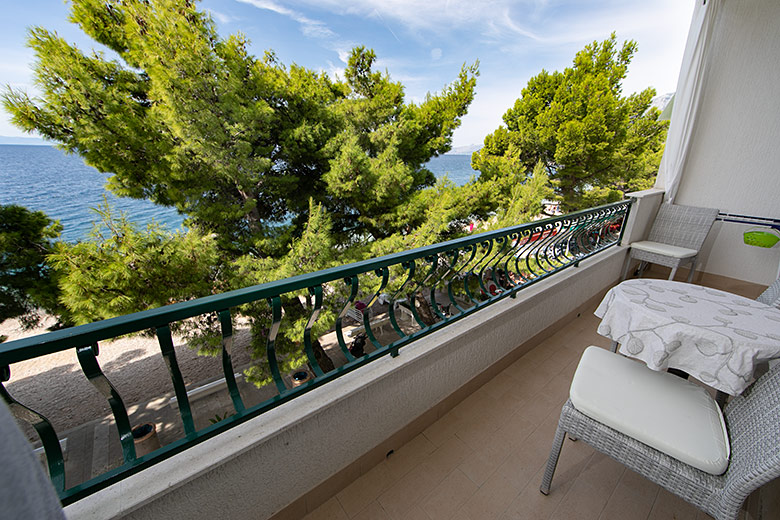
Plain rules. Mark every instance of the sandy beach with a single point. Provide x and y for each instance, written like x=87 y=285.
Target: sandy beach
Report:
x=55 y=386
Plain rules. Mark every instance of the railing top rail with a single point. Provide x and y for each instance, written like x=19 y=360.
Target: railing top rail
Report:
x=83 y=335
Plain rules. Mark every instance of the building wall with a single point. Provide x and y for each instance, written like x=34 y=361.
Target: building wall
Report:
x=266 y=464
x=734 y=162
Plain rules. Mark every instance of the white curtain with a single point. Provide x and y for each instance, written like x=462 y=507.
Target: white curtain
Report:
x=690 y=88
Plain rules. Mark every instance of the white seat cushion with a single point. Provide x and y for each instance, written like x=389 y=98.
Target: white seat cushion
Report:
x=664 y=411
x=664 y=249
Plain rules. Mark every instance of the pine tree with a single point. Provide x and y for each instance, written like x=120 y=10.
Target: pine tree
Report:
x=594 y=143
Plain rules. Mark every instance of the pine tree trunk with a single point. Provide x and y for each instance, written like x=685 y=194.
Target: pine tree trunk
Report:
x=424 y=309
x=322 y=358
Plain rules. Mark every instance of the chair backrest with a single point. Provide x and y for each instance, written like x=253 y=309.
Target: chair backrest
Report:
x=753 y=422
x=682 y=226
x=771 y=296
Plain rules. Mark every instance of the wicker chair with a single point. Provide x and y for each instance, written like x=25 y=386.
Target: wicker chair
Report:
x=771 y=296
x=677 y=234
x=752 y=421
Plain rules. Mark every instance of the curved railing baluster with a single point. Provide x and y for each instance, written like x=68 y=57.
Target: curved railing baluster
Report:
x=226 y=324
x=316 y=292
x=51 y=444
x=536 y=232
x=521 y=253
x=410 y=268
x=511 y=243
x=550 y=230
x=182 y=399
x=270 y=345
x=384 y=274
x=352 y=282
x=491 y=264
x=457 y=274
x=413 y=295
x=91 y=368
x=488 y=245
x=436 y=306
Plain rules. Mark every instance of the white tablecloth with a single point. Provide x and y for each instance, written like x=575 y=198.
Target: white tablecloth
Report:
x=715 y=336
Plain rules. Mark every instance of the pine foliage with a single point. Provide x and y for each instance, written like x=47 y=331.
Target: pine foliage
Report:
x=594 y=143
x=27 y=284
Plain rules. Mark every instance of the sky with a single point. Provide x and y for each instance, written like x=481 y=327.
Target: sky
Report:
x=422 y=43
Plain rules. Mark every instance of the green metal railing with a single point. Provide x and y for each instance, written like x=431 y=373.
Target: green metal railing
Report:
x=451 y=279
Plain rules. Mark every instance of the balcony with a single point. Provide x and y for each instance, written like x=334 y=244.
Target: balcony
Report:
x=458 y=425
x=459 y=422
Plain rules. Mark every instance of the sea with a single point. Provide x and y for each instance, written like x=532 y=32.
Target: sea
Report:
x=44 y=178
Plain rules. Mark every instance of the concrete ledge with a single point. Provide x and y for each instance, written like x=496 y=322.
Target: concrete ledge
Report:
x=267 y=464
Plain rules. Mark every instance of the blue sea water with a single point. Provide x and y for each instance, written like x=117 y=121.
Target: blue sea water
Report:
x=456 y=167
x=47 y=179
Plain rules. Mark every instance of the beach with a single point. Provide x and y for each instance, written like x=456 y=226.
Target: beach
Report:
x=55 y=386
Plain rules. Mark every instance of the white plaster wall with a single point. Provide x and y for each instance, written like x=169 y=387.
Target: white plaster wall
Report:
x=734 y=163
x=261 y=466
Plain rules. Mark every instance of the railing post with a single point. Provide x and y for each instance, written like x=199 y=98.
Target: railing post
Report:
x=89 y=364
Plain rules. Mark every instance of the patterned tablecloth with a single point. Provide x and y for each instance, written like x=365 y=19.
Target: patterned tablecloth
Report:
x=715 y=336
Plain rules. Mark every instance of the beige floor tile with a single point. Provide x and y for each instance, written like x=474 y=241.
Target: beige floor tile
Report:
x=478 y=429
x=499 y=385
x=364 y=490
x=481 y=464
x=557 y=389
x=443 y=429
x=590 y=493
x=639 y=485
x=330 y=510
x=446 y=499
x=557 y=361
x=604 y=473
x=446 y=458
x=505 y=405
x=416 y=513
x=520 y=367
x=529 y=384
x=572 y=461
x=541 y=352
x=474 y=403
x=540 y=406
x=403 y=460
x=668 y=505
x=522 y=464
x=407 y=492
x=627 y=504
x=514 y=429
x=372 y=511
x=532 y=504
x=492 y=498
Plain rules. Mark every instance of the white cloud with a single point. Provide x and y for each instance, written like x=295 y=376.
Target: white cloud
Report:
x=436 y=53
x=309 y=27
x=220 y=17
x=433 y=15
x=344 y=55
x=335 y=72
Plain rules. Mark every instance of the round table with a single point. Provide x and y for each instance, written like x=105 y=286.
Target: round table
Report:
x=716 y=336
